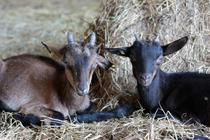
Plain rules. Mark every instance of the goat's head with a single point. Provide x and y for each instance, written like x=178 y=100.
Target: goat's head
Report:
x=146 y=56
x=80 y=62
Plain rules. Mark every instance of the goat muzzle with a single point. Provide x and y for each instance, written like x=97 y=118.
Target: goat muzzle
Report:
x=146 y=79
x=83 y=91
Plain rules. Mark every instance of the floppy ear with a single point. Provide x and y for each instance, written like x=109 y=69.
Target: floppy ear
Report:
x=54 y=51
x=174 y=46
x=124 y=51
x=103 y=62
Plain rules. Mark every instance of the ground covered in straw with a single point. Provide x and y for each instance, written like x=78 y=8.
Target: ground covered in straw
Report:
x=25 y=23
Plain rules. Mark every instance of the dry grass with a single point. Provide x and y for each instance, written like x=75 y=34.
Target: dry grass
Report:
x=119 y=19
x=134 y=127
x=24 y=24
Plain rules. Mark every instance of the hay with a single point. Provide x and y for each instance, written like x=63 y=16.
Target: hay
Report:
x=135 y=127
x=24 y=24
x=119 y=19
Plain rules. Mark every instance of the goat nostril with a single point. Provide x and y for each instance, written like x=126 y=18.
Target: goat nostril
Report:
x=145 y=77
x=83 y=91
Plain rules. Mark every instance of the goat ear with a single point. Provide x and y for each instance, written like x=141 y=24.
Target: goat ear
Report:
x=124 y=51
x=174 y=46
x=103 y=62
x=55 y=51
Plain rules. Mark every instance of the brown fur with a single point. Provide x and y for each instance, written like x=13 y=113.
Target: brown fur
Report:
x=40 y=86
x=29 y=83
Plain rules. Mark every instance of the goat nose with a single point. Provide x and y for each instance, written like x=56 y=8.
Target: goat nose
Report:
x=83 y=91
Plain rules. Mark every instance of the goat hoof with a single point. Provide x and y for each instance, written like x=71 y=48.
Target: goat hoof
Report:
x=27 y=120
x=58 y=116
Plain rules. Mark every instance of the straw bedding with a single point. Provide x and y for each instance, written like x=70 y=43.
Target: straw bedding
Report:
x=118 y=20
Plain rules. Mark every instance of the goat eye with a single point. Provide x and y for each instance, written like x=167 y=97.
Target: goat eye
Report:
x=64 y=61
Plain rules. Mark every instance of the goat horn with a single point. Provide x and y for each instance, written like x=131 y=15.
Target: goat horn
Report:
x=92 y=39
x=70 y=39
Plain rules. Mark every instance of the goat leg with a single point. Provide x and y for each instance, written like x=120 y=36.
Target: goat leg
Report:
x=119 y=112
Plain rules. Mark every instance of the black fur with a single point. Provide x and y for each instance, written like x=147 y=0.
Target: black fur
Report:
x=119 y=112
x=30 y=119
x=196 y=137
x=200 y=138
x=4 y=107
x=59 y=118
x=86 y=116
x=185 y=95
x=27 y=120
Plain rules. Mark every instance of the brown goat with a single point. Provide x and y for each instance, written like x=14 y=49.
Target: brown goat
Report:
x=38 y=87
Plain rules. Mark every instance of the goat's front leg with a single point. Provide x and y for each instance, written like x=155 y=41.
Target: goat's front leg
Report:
x=119 y=112
x=34 y=115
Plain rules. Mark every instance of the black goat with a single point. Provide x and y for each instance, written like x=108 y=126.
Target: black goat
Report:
x=186 y=94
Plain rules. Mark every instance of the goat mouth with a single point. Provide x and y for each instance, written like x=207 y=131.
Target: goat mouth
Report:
x=82 y=93
x=146 y=82
x=146 y=79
